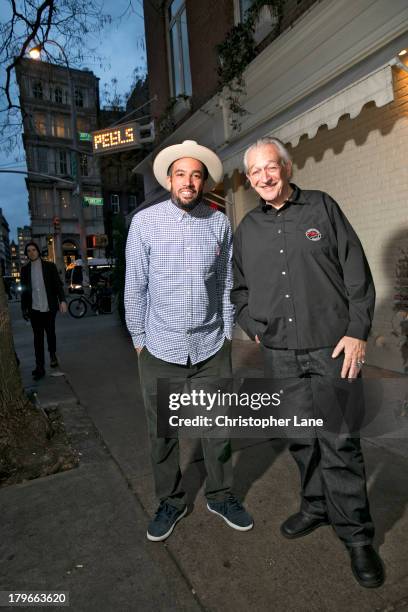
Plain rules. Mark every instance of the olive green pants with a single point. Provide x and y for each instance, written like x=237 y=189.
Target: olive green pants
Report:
x=165 y=451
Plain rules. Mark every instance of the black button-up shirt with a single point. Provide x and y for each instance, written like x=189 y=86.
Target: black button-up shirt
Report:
x=301 y=277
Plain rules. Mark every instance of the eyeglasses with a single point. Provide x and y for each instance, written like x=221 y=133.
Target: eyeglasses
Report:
x=269 y=169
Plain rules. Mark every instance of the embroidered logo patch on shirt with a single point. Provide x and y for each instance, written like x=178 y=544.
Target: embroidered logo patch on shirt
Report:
x=313 y=234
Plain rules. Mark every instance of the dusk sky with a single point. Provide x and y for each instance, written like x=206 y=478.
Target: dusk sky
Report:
x=122 y=46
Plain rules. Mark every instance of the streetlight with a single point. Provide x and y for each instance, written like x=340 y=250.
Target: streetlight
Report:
x=35 y=53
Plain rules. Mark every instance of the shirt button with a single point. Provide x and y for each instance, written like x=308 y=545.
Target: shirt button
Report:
x=283 y=273
x=279 y=214
x=287 y=295
x=279 y=231
x=281 y=251
x=290 y=320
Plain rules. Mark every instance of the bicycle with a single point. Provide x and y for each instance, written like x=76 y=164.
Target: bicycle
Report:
x=97 y=301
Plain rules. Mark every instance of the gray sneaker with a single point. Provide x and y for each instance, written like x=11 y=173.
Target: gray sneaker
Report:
x=233 y=513
x=166 y=517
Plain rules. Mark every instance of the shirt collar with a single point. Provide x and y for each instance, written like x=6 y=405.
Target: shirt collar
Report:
x=201 y=210
x=295 y=198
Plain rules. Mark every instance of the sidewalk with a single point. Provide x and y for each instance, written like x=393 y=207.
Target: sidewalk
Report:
x=83 y=531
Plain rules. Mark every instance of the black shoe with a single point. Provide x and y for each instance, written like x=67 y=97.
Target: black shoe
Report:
x=300 y=524
x=161 y=526
x=366 y=566
x=38 y=373
x=53 y=361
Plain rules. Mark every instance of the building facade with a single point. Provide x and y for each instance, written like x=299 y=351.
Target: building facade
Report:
x=5 y=254
x=330 y=79
x=23 y=237
x=15 y=261
x=54 y=199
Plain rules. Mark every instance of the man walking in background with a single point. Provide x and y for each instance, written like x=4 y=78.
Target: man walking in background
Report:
x=42 y=295
x=180 y=317
x=304 y=291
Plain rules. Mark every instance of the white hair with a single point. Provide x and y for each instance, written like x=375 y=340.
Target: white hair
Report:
x=268 y=140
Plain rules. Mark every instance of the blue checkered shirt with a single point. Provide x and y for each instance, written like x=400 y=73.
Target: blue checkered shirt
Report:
x=178 y=281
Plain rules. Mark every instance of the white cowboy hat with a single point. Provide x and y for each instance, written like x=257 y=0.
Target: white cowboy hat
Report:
x=189 y=148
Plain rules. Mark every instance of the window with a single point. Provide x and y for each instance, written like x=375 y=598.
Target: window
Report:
x=132 y=202
x=179 y=51
x=58 y=95
x=40 y=124
x=243 y=6
x=266 y=21
x=61 y=162
x=60 y=126
x=79 y=97
x=84 y=165
x=115 y=203
x=38 y=90
x=83 y=125
x=66 y=204
x=41 y=160
x=45 y=203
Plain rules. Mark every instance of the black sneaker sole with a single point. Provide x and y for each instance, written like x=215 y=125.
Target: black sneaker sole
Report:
x=233 y=525
x=305 y=532
x=153 y=538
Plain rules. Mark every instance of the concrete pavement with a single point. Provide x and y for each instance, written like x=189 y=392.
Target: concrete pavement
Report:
x=84 y=530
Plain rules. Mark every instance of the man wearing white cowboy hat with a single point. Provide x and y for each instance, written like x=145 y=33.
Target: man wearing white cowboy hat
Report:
x=179 y=314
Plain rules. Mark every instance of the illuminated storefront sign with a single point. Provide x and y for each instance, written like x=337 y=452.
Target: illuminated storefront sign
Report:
x=116 y=138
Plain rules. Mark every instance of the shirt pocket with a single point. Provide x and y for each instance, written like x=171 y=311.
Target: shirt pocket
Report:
x=205 y=256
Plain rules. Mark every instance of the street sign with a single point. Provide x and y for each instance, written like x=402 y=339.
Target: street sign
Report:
x=91 y=201
x=85 y=136
x=129 y=135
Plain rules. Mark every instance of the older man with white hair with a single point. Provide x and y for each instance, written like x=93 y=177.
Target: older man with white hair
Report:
x=180 y=317
x=303 y=290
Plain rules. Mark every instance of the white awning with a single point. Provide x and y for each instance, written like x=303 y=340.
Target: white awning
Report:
x=375 y=87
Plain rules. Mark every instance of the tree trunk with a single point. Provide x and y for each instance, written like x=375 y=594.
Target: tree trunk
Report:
x=26 y=448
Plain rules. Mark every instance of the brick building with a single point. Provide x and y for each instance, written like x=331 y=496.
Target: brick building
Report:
x=328 y=81
x=48 y=142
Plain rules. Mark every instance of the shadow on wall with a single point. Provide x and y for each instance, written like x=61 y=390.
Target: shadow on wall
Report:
x=394 y=305
x=370 y=119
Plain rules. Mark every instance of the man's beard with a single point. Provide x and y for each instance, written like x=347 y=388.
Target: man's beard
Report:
x=184 y=206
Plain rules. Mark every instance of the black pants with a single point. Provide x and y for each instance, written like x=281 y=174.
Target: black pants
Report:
x=165 y=451
x=43 y=322
x=332 y=473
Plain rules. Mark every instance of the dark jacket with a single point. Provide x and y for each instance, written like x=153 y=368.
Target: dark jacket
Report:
x=53 y=286
x=301 y=279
